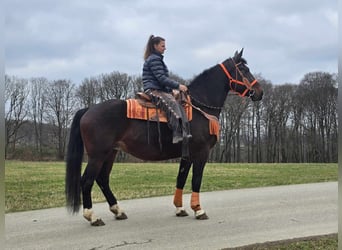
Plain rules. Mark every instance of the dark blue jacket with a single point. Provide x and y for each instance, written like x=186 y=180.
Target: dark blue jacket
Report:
x=156 y=75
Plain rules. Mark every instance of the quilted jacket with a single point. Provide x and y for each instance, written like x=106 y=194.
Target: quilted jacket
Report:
x=156 y=75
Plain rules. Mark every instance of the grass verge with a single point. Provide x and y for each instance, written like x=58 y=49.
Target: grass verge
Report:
x=37 y=185
x=321 y=242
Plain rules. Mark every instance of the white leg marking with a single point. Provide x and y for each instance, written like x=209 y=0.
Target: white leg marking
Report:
x=115 y=209
x=179 y=210
x=89 y=215
x=199 y=212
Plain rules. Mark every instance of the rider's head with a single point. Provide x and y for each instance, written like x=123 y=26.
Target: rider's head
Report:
x=154 y=43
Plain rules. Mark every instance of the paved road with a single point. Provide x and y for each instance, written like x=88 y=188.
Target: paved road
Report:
x=237 y=217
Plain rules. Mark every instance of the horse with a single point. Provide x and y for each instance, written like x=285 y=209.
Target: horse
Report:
x=103 y=129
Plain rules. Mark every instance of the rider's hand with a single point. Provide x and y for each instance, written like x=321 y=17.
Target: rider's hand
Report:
x=183 y=88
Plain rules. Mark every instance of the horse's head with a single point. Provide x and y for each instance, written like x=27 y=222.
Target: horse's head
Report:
x=241 y=81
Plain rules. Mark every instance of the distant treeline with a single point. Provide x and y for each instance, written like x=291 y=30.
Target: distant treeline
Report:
x=293 y=123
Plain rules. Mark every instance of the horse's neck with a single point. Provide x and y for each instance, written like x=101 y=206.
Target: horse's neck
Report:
x=209 y=91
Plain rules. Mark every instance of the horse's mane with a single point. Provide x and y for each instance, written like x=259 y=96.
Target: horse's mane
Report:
x=243 y=60
x=204 y=75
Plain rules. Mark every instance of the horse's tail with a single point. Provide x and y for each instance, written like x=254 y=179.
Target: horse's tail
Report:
x=74 y=164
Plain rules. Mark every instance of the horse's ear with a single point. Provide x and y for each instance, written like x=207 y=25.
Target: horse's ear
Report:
x=238 y=55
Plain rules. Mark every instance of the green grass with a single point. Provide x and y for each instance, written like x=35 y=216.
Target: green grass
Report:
x=322 y=242
x=36 y=185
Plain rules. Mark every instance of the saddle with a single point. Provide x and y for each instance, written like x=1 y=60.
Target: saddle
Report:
x=142 y=108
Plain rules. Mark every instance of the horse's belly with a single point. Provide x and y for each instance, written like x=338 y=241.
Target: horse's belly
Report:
x=150 y=152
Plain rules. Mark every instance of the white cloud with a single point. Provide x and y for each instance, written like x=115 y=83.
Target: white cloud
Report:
x=332 y=17
x=293 y=20
x=77 y=39
x=215 y=52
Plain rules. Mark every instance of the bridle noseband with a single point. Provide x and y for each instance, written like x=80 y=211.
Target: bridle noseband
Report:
x=245 y=82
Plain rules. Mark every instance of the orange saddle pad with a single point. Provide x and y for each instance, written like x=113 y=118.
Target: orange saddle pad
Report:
x=136 y=111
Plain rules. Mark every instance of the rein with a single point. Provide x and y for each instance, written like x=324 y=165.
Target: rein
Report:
x=203 y=104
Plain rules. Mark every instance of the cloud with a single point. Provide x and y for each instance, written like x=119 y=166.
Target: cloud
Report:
x=215 y=52
x=77 y=39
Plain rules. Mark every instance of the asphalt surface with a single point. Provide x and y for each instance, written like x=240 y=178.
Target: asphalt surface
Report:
x=236 y=218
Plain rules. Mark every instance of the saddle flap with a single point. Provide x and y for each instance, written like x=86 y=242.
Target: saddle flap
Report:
x=135 y=110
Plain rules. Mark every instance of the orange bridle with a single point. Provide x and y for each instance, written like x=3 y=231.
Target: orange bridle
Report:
x=245 y=82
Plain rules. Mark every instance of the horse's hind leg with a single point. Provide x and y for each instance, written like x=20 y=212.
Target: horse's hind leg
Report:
x=87 y=182
x=103 y=182
x=183 y=172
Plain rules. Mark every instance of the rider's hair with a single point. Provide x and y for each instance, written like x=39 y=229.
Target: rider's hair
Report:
x=152 y=40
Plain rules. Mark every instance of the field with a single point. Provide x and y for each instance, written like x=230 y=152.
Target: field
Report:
x=36 y=185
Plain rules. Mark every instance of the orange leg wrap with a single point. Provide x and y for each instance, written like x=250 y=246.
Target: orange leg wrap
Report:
x=195 y=202
x=178 y=198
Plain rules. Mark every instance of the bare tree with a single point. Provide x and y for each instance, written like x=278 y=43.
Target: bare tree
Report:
x=16 y=110
x=319 y=103
x=61 y=104
x=38 y=110
x=230 y=128
x=88 y=93
x=254 y=133
x=114 y=85
x=136 y=85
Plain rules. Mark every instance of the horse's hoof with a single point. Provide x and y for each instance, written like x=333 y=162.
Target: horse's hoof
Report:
x=201 y=215
x=122 y=216
x=97 y=223
x=182 y=213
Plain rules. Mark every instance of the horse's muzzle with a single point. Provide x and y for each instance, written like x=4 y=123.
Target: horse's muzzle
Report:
x=257 y=95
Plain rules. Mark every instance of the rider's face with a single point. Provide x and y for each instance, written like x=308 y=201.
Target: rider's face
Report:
x=160 y=47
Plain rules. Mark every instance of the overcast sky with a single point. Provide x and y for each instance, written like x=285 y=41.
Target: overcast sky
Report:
x=75 y=39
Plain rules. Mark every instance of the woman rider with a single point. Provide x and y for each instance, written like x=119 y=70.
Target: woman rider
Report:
x=159 y=86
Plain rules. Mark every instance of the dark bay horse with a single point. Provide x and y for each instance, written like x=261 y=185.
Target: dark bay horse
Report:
x=103 y=129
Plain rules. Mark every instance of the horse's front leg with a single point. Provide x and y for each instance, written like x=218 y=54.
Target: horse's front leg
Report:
x=183 y=172
x=197 y=174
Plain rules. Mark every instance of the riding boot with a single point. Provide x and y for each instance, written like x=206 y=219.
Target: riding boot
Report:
x=186 y=137
x=186 y=128
x=184 y=121
x=177 y=136
x=185 y=149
